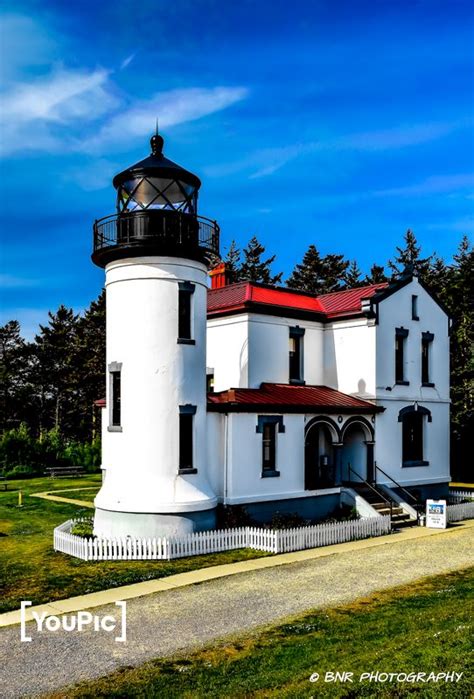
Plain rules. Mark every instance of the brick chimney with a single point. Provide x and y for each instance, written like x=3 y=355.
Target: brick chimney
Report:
x=219 y=276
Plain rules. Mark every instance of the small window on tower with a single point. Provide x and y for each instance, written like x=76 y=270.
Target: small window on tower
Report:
x=185 y=293
x=186 y=438
x=115 y=396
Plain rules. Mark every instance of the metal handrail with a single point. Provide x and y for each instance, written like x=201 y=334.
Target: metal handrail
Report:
x=377 y=468
x=168 y=230
x=390 y=503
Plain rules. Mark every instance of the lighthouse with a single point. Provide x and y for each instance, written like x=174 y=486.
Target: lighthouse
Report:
x=155 y=251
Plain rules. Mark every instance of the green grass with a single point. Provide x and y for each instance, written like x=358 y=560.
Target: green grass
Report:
x=423 y=627
x=30 y=569
x=82 y=494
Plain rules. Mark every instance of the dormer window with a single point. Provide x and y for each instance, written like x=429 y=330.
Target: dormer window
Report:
x=296 y=355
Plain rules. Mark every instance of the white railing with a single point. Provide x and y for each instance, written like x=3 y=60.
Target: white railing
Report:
x=456 y=513
x=271 y=540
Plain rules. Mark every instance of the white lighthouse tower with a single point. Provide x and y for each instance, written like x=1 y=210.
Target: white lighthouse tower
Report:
x=155 y=251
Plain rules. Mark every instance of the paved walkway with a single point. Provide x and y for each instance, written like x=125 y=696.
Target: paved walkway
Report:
x=186 y=617
x=49 y=495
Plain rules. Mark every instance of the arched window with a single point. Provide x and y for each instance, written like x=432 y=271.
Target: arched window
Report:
x=413 y=418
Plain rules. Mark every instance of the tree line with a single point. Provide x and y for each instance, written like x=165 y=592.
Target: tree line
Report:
x=49 y=385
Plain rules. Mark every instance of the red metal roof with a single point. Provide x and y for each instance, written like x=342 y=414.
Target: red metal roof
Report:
x=245 y=296
x=348 y=302
x=287 y=398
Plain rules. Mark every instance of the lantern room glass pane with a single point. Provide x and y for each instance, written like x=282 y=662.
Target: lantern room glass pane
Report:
x=157 y=193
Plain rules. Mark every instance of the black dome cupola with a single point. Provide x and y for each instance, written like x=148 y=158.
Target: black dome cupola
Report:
x=157 y=183
x=156 y=214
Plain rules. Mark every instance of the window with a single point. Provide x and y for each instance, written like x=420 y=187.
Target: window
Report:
x=296 y=355
x=186 y=442
x=115 y=395
x=413 y=437
x=267 y=427
x=426 y=340
x=185 y=292
x=401 y=335
x=412 y=419
x=414 y=308
x=210 y=380
x=268 y=446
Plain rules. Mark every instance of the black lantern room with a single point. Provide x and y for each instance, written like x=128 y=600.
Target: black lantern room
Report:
x=156 y=214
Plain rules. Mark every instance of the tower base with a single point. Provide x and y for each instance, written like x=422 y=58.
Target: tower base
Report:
x=138 y=525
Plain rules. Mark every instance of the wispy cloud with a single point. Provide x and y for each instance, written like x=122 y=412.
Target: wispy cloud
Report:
x=267 y=161
x=33 y=112
x=399 y=137
x=126 y=61
x=172 y=107
x=10 y=281
x=436 y=184
x=37 y=45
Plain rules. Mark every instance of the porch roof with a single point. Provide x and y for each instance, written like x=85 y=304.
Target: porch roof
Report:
x=288 y=398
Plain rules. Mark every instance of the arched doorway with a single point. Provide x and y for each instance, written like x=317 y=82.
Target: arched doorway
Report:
x=357 y=459
x=320 y=466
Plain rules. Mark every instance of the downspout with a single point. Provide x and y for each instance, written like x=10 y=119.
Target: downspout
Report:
x=226 y=458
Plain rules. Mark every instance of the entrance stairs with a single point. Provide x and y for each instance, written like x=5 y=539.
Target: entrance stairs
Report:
x=384 y=505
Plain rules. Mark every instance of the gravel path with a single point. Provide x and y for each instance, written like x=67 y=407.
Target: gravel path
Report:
x=163 y=623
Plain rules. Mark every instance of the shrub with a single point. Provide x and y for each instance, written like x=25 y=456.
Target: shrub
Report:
x=18 y=447
x=20 y=471
x=343 y=513
x=230 y=516
x=287 y=520
x=84 y=529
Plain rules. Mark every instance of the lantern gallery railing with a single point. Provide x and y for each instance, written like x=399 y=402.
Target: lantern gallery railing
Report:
x=154 y=232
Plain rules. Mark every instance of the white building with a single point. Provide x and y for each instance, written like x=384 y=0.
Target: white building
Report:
x=312 y=401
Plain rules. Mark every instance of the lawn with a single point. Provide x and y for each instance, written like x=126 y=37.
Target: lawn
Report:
x=423 y=627
x=30 y=569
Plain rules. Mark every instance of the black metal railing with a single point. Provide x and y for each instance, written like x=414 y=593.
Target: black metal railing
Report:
x=417 y=505
x=387 y=501
x=157 y=231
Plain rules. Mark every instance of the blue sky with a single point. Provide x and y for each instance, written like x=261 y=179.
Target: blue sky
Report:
x=335 y=123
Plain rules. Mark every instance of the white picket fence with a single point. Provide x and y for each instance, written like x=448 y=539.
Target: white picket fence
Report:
x=273 y=541
x=461 y=495
x=456 y=513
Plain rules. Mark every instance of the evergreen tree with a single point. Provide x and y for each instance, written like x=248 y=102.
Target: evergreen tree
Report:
x=14 y=402
x=56 y=372
x=91 y=361
x=352 y=277
x=409 y=258
x=319 y=275
x=233 y=263
x=376 y=276
x=254 y=269
x=459 y=296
